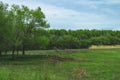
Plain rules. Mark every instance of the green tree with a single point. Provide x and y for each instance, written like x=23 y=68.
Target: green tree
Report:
x=67 y=41
x=4 y=29
x=26 y=20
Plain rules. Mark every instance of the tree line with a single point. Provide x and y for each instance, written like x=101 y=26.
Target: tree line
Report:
x=22 y=28
x=72 y=39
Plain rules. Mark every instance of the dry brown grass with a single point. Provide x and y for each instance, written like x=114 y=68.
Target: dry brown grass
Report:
x=105 y=47
x=79 y=73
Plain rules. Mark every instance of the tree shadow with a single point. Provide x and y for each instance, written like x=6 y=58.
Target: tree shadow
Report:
x=36 y=59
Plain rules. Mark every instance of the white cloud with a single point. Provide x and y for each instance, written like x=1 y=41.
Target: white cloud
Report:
x=60 y=17
x=116 y=29
x=97 y=2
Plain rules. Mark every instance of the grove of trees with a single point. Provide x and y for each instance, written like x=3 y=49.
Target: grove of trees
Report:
x=16 y=26
x=22 y=28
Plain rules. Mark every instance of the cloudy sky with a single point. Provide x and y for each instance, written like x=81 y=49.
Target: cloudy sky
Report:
x=77 y=14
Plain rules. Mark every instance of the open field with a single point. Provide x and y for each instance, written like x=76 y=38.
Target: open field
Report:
x=82 y=64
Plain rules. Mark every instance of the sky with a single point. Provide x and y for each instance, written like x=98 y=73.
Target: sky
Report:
x=77 y=14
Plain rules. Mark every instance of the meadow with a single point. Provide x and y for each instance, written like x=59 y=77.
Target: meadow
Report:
x=79 y=64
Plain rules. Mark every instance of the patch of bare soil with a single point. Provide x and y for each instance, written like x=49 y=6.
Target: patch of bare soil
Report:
x=58 y=58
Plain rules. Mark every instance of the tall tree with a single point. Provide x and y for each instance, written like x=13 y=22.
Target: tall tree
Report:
x=32 y=19
x=26 y=20
x=4 y=29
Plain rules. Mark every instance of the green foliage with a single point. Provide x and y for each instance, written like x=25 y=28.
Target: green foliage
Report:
x=19 y=22
x=40 y=42
x=67 y=41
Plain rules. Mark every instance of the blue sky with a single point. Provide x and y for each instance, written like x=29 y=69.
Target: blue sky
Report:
x=77 y=14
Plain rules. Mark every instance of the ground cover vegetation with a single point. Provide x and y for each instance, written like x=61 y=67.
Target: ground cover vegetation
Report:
x=75 y=64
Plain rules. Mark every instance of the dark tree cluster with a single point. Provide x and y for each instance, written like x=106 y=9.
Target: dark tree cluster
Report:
x=73 y=39
x=16 y=26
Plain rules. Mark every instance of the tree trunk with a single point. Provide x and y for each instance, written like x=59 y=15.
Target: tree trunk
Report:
x=5 y=52
x=13 y=52
x=23 y=50
x=17 y=51
x=0 y=52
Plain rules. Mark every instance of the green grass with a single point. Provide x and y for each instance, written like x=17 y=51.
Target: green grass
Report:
x=86 y=65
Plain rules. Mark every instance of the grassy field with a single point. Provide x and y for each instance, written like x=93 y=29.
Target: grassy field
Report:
x=82 y=64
